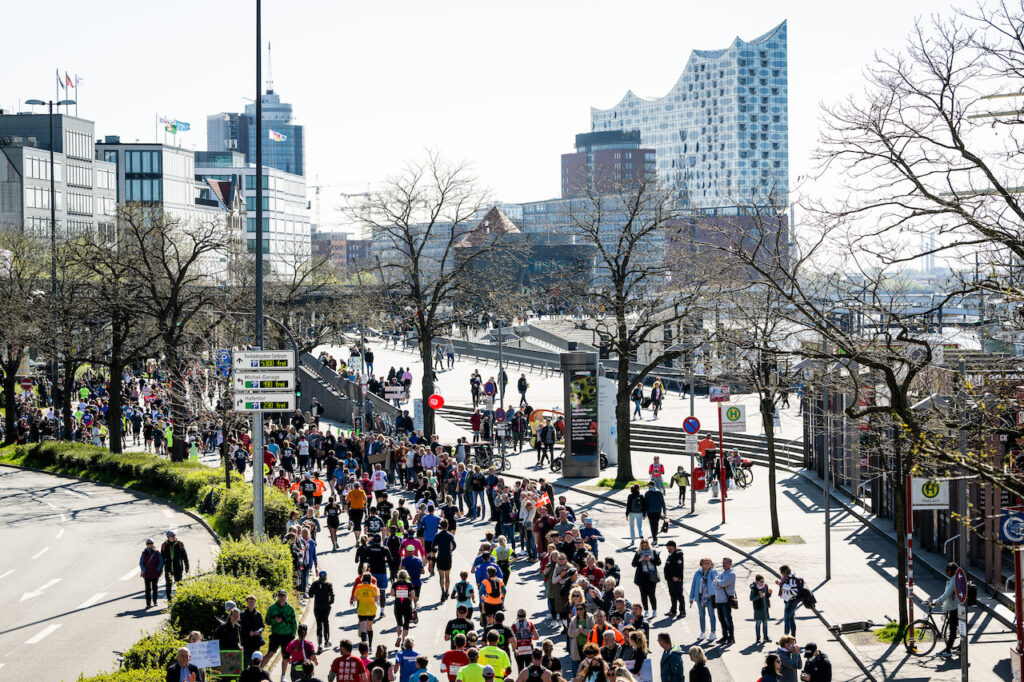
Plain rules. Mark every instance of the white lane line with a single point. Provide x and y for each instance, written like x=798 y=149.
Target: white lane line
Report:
x=92 y=600
x=4 y=575
x=41 y=552
x=43 y=634
x=60 y=533
x=36 y=593
x=63 y=519
x=129 y=575
x=168 y=513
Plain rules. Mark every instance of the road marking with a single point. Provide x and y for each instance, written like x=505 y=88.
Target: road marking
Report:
x=129 y=575
x=168 y=513
x=4 y=575
x=60 y=533
x=43 y=634
x=41 y=552
x=63 y=519
x=36 y=593
x=92 y=600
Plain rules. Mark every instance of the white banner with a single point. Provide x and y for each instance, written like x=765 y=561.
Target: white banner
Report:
x=929 y=493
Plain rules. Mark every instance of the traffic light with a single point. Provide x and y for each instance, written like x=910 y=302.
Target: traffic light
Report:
x=298 y=388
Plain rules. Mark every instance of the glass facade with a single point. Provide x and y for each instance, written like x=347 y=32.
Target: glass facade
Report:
x=722 y=132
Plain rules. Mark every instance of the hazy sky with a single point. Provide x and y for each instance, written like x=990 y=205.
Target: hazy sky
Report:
x=503 y=87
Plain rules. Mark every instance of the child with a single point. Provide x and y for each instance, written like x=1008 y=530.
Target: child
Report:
x=760 y=594
x=656 y=472
x=682 y=480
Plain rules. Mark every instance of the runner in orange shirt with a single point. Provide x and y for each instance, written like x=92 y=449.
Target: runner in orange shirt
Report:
x=356 y=508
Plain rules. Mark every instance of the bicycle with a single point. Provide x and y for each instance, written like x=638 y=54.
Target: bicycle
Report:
x=926 y=633
x=743 y=476
x=556 y=462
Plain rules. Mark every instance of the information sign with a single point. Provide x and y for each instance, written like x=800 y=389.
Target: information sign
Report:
x=928 y=493
x=1011 y=527
x=718 y=394
x=264 y=359
x=734 y=418
x=583 y=412
x=264 y=381
x=264 y=402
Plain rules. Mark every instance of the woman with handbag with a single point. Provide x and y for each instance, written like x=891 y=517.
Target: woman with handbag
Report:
x=725 y=600
x=646 y=562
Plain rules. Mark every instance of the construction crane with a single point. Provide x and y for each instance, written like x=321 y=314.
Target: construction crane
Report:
x=317 y=187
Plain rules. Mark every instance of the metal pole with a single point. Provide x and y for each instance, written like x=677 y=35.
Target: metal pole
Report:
x=257 y=420
x=693 y=455
x=1018 y=605
x=828 y=491
x=54 y=372
x=910 y=555
x=362 y=366
x=962 y=506
x=501 y=391
x=723 y=481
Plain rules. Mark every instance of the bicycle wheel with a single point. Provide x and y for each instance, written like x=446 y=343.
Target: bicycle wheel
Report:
x=506 y=464
x=604 y=461
x=925 y=638
x=744 y=477
x=556 y=464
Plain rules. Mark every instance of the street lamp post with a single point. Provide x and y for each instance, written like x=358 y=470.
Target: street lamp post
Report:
x=53 y=237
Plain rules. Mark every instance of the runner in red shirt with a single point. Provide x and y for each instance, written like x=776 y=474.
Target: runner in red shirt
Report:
x=346 y=667
x=454 y=659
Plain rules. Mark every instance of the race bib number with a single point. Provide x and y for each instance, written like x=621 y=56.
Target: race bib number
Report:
x=524 y=649
x=453 y=670
x=402 y=592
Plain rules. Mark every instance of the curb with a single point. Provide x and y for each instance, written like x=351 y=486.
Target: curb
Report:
x=733 y=548
x=155 y=498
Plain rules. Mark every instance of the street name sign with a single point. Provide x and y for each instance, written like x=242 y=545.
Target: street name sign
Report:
x=255 y=360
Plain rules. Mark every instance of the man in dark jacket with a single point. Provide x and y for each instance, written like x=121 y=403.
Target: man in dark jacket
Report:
x=671 y=660
x=151 y=564
x=654 y=502
x=175 y=561
x=180 y=665
x=817 y=668
x=322 y=594
x=545 y=441
x=674 y=579
x=252 y=628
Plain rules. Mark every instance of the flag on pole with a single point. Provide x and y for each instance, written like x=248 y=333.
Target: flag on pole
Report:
x=78 y=79
x=60 y=81
x=169 y=124
x=276 y=136
x=181 y=125
x=67 y=80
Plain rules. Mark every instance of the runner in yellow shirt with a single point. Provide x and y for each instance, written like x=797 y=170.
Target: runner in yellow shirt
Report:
x=495 y=657
x=472 y=671
x=364 y=598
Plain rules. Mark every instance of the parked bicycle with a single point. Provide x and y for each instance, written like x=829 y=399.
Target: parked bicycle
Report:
x=926 y=633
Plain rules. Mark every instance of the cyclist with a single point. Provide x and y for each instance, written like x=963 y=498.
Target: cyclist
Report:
x=946 y=603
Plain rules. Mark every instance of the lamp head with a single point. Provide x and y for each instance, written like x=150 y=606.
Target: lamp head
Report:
x=66 y=101
x=34 y=101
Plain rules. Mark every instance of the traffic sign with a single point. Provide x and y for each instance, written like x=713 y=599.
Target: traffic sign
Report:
x=718 y=394
x=224 y=362
x=264 y=402
x=435 y=401
x=1011 y=527
x=928 y=493
x=255 y=360
x=396 y=392
x=691 y=425
x=960 y=585
x=499 y=415
x=26 y=384
x=691 y=442
x=734 y=418
x=264 y=381
x=489 y=388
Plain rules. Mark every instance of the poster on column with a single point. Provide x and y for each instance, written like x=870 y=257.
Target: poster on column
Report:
x=583 y=412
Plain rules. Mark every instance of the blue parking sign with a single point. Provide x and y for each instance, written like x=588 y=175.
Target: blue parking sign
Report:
x=224 y=362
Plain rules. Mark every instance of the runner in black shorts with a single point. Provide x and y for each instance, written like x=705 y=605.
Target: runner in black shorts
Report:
x=333 y=514
x=444 y=545
x=405 y=602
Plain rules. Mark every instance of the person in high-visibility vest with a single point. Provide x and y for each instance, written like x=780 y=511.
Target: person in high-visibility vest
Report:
x=493 y=589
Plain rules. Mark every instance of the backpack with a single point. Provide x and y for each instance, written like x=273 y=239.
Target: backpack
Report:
x=495 y=591
x=461 y=591
x=806 y=597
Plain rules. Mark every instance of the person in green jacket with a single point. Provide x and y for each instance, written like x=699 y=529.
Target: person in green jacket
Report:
x=283 y=625
x=760 y=595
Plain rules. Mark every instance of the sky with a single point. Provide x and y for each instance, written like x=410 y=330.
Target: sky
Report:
x=503 y=88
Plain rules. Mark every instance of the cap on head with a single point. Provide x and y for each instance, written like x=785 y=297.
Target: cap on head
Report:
x=149 y=541
x=257 y=656
x=810 y=646
x=169 y=533
x=323 y=574
x=488 y=671
x=282 y=593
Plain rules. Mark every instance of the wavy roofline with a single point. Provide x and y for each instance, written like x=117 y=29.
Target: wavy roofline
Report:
x=708 y=55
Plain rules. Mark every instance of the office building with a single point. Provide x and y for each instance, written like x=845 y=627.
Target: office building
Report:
x=84 y=188
x=283 y=141
x=341 y=249
x=286 y=226
x=606 y=162
x=721 y=134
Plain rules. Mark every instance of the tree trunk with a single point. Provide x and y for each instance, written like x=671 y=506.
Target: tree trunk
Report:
x=115 y=425
x=899 y=508
x=767 y=418
x=176 y=378
x=10 y=389
x=622 y=410
x=67 y=391
x=427 y=382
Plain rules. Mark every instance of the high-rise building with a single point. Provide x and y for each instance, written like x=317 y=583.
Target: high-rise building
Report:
x=605 y=162
x=84 y=188
x=722 y=132
x=283 y=141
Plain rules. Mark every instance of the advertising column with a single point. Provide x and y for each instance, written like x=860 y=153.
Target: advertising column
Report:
x=579 y=372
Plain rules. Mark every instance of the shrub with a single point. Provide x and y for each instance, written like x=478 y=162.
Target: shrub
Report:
x=199 y=602
x=268 y=561
x=156 y=650
x=230 y=503
x=152 y=675
x=276 y=508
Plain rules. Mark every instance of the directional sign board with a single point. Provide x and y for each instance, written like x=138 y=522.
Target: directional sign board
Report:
x=254 y=360
x=734 y=418
x=264 y=402
x=1011 y=527
x=928 y=493
x=264 y=381
x=691 y=425
x=394 y=392
x=960 y=585
x=224 y=362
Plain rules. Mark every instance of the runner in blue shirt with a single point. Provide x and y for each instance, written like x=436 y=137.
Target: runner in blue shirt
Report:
x=428 y=529
x=414 y=567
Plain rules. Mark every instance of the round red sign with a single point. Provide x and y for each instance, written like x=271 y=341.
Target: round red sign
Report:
x=435 y=401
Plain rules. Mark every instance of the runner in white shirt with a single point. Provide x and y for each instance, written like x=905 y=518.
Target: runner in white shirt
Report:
x=379 y=478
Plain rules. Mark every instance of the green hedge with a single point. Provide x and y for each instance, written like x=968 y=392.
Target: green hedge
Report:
x=268 y=561
x=151 y=675
x=156 y=650
x=276 y=508
x=198 y=602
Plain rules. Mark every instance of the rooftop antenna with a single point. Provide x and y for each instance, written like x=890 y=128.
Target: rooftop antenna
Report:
x=270 y=72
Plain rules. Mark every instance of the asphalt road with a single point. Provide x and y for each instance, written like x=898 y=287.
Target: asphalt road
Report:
x=69 y=572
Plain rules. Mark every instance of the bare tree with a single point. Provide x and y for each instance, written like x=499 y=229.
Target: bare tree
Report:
x=419 y=218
